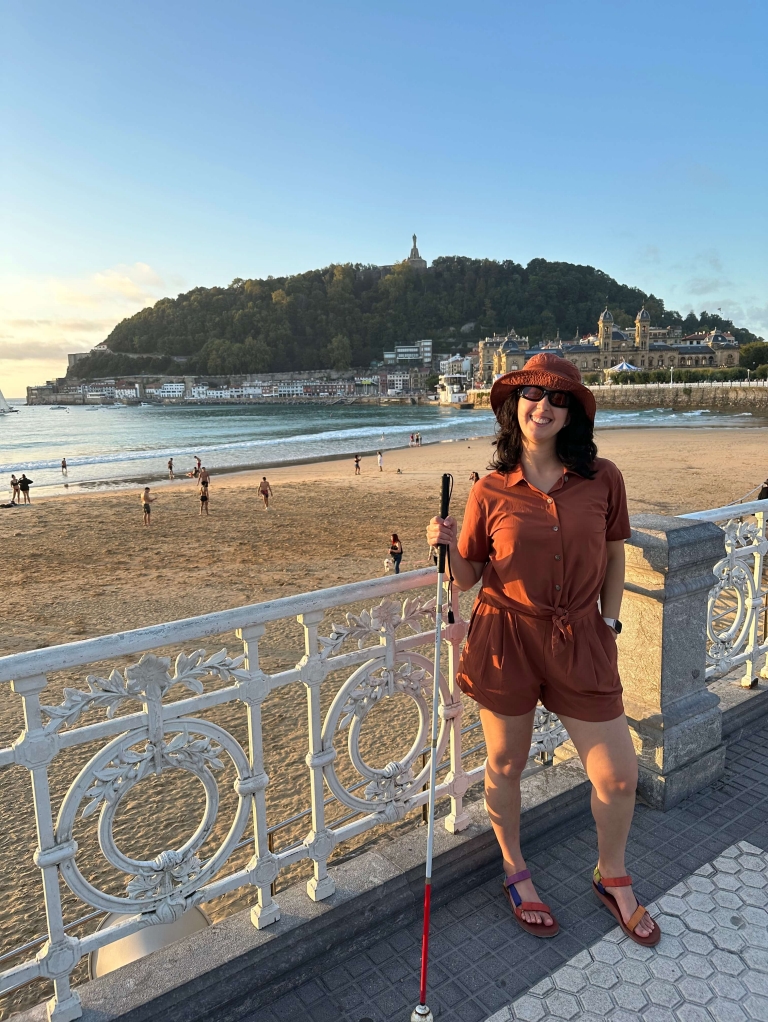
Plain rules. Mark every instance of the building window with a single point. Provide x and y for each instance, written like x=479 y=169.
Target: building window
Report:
x=584 y=365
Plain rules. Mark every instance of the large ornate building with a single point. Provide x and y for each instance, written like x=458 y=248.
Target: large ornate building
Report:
x=613 y=346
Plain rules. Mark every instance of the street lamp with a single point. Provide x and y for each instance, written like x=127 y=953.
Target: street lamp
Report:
x=671 y=371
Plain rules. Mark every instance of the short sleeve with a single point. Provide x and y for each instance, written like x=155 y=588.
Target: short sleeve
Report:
x=617 y=520
x=474 y=542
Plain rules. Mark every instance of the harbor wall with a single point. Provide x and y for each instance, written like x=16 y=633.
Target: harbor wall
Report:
x=748 y=397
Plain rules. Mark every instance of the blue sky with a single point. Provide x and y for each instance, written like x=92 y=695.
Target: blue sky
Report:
x=154 y=147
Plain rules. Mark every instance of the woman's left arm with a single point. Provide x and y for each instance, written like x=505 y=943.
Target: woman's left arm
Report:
x=613 y=586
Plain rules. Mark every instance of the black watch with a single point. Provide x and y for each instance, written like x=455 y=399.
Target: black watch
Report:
x=614 y=623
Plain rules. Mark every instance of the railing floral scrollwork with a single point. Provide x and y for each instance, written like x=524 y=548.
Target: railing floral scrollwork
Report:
x=149 y=719
x=736 y=620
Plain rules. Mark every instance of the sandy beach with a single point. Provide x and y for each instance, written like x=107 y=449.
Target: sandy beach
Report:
x=84 y=565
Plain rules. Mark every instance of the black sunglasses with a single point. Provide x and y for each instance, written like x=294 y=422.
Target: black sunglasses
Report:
x=557 y=398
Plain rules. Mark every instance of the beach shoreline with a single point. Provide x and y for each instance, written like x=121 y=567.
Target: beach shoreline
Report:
x=95 y=488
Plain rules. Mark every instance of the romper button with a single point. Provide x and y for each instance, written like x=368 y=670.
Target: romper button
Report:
x=554 y=528
x=549 y=500
x=557 y=557
x=558 y=588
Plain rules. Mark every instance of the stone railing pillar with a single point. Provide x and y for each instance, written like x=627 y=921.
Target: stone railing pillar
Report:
x=675 y=721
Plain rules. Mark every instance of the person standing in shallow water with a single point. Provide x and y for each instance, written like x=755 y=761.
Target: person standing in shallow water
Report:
x=63 y=466
x=545 y=531
x=170 y=468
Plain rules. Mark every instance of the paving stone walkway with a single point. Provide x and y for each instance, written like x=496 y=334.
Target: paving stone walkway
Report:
x=481 y=961
x=710 y=966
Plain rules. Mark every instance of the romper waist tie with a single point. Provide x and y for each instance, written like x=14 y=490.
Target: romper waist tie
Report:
x=561 y=619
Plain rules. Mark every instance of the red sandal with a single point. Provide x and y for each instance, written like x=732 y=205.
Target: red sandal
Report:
x=519 y=906
x=598 y=886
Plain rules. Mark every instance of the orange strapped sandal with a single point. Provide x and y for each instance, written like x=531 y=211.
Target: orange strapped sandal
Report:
x=519 y=906
x=599 y=885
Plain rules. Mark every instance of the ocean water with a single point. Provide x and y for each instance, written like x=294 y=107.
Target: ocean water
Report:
x=116 y=445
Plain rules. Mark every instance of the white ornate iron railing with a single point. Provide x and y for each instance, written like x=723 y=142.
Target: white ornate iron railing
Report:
x=737 y=623
x=159 y=734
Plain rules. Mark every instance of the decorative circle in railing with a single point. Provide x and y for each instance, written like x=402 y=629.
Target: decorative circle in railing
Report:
x=730 y=612
x=165 y=885
x=390 y=787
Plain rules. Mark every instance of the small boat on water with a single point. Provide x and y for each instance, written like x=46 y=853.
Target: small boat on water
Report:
x=5 y=408
x=59 y=408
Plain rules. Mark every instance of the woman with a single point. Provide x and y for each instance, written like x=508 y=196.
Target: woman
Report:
x=204 y=496
x=396 y=552
x=15 y=489
x=24 y=485
x=474 y=477
x=546 y=532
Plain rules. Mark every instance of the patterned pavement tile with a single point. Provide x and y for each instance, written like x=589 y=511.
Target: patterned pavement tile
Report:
x=481 y=960
x=674 y=984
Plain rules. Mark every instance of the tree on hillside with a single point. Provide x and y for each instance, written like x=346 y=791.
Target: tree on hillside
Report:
x=753 y=355
x=345 y=315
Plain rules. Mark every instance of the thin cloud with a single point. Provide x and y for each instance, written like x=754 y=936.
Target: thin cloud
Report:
x=33 y=350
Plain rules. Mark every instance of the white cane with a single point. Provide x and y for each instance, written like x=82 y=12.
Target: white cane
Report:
x=421 y=1012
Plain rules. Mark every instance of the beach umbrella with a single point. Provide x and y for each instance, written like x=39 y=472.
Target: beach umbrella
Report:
x=623 y=367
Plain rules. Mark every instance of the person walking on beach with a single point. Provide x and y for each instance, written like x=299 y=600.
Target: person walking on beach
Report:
x=203 y=496
x=146 y=504
x=63 y=466
x=198 y=463
x=266 y=492
x=204 y=475
x=357 y=464
x=380 y=460
x=545 y=530
x=24 y=485
x=474 y=477
x=170 y=469
x=15 y=490
x=763 y=494
x=396 y=551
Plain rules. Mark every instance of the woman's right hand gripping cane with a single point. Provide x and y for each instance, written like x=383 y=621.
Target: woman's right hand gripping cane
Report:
x=444 y=532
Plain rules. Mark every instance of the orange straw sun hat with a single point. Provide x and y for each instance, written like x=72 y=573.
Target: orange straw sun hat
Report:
x=545 y=370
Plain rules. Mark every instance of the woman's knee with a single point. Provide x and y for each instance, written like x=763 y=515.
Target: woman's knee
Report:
x=507 y=765
x=615 y=786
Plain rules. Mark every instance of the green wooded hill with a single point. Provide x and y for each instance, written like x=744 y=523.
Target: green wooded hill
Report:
x=348 y=315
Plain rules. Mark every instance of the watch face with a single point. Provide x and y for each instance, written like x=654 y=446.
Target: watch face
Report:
x=617 y=626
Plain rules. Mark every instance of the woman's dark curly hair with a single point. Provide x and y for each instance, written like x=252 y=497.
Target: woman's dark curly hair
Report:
x=575 y=445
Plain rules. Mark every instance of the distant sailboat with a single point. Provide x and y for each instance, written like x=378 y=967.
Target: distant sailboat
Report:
x=5 y=408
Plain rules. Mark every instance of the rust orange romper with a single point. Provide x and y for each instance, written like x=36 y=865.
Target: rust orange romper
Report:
x=536 y=631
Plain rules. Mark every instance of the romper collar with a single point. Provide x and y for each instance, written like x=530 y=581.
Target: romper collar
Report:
x=516 y=475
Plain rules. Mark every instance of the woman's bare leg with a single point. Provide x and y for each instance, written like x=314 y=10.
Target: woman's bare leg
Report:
x=508 y=742
x=609 y=758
